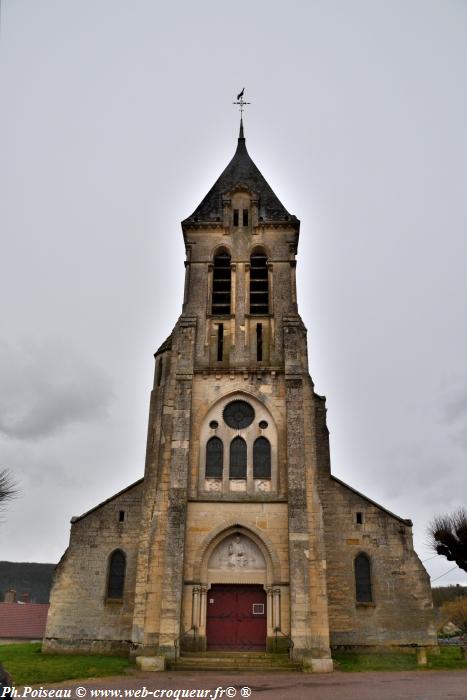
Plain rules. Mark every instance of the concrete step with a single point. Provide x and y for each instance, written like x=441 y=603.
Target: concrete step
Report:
x=233 y=661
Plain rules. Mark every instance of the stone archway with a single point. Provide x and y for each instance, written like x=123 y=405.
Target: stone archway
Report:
x=236 y=566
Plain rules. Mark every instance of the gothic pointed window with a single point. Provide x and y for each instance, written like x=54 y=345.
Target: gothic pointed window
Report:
x=259 y=284
x=221 y=284
x=262 y=458
x=116 y=578
x=238 y=458
x=363 y=587
x=214 y=458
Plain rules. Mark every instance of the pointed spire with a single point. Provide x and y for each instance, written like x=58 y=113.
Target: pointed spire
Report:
x=241 y=135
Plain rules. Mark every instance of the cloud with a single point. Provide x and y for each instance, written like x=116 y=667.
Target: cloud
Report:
x=455 y=407
x=46 y=387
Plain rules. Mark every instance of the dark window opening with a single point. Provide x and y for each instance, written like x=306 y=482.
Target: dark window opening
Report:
x=238 y=458
x=116 y=582
x=263 y=424
x=214 y=458
x=121 y=516
x=235 y=217
x=259 y=284
x=259 y=342
x=262 y=459
x=245 y=217
x=213 y=424
x=363 y=588
x=359 y=518
x=220 y=342
x=159 y=372
x=221 y=285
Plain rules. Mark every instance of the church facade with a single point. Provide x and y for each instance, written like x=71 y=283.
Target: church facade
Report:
x=238 y=536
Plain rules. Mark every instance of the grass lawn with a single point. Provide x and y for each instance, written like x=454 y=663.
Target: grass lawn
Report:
x=448 y=659
x=28 y=665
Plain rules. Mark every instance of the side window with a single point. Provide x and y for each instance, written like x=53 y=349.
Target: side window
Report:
x=221 y=284
x=363 y=587
x=214 y=458
x=261 y=458
x=116 y=578
x=238 y=458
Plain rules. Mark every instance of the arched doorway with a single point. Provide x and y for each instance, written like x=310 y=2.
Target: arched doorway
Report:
x=236 y=610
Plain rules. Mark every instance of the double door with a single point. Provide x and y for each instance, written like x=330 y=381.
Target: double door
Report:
x=236 y=617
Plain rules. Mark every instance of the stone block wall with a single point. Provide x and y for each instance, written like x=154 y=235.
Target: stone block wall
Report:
x=80 y=617
x=401 y=611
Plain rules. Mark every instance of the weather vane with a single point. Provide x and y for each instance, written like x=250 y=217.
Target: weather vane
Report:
x=240 y=101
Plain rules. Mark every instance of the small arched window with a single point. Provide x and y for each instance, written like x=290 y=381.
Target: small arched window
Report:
x=363 y=588
x=214 y=458
x=238 y=458
x=262 y=458
x=259 y=284
x=116 y=580
x=221 y=284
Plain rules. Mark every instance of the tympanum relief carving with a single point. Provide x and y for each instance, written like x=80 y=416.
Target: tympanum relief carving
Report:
x=237 y=553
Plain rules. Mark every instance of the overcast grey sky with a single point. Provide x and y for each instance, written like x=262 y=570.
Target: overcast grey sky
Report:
x=116 y=118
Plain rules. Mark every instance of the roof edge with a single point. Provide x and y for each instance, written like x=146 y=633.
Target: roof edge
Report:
x=405 y=521
x=76 y=518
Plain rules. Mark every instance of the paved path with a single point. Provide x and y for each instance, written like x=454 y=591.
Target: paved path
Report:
x=410 y=685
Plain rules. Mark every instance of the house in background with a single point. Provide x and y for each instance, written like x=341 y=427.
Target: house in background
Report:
x=21 y=621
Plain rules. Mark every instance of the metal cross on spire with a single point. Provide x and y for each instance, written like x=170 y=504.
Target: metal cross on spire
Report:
x=240 y=101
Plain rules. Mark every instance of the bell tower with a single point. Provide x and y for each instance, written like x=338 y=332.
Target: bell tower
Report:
x=241 y=244
x=232 y=446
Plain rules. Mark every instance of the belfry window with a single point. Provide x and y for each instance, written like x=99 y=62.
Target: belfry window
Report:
x=235 y=217
x=245 y=217
x=238 y=458
x=363 y=587
x=116 y=578
x=259 y=284
x=261 y=459
x=214 y=458
x=221 y=284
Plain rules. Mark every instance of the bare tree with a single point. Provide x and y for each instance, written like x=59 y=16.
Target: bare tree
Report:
x=448 y=536
x=8 y=488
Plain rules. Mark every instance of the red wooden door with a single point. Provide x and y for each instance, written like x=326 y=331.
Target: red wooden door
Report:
x=236 y=617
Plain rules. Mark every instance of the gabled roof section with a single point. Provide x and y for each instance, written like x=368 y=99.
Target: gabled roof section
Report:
x=405 y=521
x=240 y=171
x=76 y=518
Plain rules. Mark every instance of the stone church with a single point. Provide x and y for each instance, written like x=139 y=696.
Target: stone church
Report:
x=238 y=537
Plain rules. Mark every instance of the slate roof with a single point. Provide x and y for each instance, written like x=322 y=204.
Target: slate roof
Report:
x=23 y=620
x=240 y=171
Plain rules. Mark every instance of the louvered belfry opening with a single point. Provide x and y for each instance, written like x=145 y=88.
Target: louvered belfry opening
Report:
x=221 y=284
x=259 y=286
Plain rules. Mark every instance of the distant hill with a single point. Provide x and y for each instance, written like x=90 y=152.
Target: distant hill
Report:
x=27 y=578
x=444 y=594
